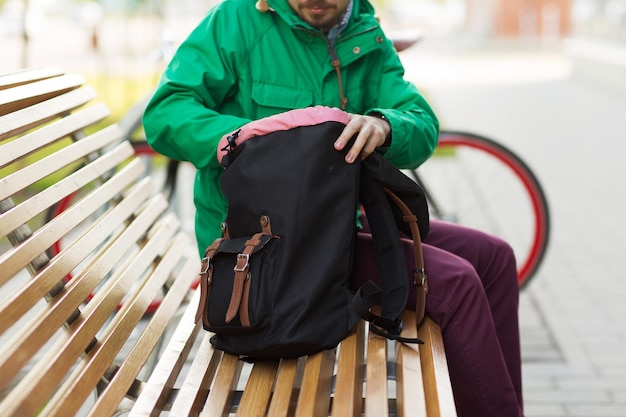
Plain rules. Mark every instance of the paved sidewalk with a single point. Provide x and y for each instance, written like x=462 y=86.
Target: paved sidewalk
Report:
x=570 y=128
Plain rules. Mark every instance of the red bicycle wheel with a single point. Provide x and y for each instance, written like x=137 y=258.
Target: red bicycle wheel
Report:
x=475 y=181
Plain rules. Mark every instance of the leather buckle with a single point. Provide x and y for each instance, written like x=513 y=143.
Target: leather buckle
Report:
x=422 y=272
x=205 y=261
x=246 y=259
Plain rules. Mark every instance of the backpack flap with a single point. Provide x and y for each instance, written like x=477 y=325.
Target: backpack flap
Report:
x=234 y=279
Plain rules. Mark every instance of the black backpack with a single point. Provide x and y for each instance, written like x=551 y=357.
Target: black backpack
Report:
x=277 y=284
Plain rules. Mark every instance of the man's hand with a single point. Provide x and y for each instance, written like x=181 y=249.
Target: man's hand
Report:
x=372 y=133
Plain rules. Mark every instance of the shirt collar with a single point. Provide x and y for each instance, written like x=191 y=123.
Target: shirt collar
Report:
x=335 y=31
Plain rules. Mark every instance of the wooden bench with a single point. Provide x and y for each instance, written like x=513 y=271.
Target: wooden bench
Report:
x=75 y=338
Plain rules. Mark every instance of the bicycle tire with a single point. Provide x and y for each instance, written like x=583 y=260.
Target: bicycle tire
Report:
x=474 y=166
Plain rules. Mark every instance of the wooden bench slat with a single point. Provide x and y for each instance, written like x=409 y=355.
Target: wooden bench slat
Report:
x=121 y=384
x=222 y=392
x=256 y=396
x=41 y=379
x=28 y=118
x=349 y=379
x=51 y=133
x=195 y=388
x=28 y=76
x=287 y=387
x=78 y=290
x=410 y=402
x=76 y=389
x=45 y=199
x=18 y=258
x=28 y=94
x=314 y=398
x=376 y=387
x=32 y=292
x=161 y=382
x=437 y=388
x=30 y=174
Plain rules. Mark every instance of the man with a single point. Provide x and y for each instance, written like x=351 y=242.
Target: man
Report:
x=244 y=62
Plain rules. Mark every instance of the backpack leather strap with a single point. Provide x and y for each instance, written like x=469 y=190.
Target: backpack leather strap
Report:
x=420 y=280
x=206 y=274
x=241 y=269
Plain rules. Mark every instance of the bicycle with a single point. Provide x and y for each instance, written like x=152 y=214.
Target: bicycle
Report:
x=478 y=182
x=462 y=155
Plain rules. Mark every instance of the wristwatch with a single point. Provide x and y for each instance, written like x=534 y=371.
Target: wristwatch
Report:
x=379 y=115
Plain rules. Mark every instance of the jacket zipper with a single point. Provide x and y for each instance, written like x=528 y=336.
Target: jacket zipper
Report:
x=336 y=63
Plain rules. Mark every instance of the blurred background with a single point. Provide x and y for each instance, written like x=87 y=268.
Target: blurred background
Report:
x=122 y=45
x=547 y=78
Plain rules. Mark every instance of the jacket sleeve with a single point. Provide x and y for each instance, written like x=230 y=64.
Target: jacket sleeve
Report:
x=182 y=120
x=414 y=125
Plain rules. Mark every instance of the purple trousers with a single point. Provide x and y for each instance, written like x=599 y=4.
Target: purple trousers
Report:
x=473 y=296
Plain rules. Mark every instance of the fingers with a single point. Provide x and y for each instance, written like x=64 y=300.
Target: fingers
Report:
x=370 y=132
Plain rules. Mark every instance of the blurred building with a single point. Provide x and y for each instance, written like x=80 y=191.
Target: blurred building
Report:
x=519 y=18
x=600 y=20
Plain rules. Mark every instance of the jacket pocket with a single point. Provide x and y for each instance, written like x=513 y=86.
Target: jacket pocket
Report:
x=271 y=99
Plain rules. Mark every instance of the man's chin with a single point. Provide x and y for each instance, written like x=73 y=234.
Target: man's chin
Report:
x=319 y=22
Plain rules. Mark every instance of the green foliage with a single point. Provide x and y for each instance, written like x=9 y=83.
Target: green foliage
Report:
x=120 y=92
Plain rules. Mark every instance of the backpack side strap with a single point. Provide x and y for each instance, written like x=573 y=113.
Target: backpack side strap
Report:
x=391 y=262
x=362 y=302
x=420 y=281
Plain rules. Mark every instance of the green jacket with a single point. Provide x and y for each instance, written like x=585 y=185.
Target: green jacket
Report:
x=240 y=65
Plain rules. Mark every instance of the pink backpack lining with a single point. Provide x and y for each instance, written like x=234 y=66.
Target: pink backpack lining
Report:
x=283 y=121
